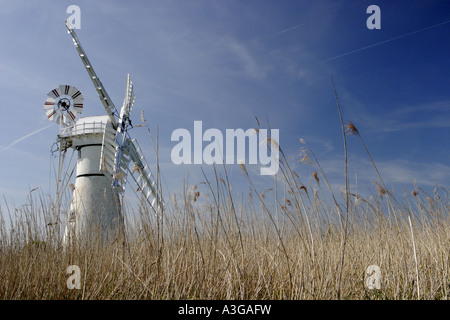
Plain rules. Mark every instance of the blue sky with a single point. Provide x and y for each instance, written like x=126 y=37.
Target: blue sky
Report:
x=225 y=62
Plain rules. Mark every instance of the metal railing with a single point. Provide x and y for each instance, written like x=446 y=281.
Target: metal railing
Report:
x=95 y=127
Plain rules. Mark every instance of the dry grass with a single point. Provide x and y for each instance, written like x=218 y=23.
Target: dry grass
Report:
x=212 y=247
x=208 y=245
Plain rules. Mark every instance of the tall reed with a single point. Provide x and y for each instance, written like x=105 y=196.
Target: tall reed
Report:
x=210 y=242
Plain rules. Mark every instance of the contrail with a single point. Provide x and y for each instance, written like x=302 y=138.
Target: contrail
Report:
x=382 y=42
x=24 y=137
x=289 y=29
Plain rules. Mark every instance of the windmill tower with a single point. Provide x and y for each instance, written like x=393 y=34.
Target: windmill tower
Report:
x=105 y=152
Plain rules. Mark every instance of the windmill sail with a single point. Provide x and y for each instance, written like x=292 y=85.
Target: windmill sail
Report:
x=121 y=134
x=143 y=176
x=103 y=95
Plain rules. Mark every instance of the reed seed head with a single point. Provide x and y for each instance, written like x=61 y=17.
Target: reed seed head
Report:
x=381 y=191
x=315 y=176
x=306 y=159
x=304 y=188
x=351 y=129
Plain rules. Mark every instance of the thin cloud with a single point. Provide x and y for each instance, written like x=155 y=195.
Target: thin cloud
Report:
x=381 y=42
x=438 y=122
x=24 y=137
x=396 y=173
x=250 y=66
x=289 y=29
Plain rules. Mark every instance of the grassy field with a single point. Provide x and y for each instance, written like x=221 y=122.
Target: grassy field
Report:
x=310 y=244
x=224 y=250
x=220 y=248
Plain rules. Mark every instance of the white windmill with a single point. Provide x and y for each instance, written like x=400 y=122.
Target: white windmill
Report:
x=105 y=154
